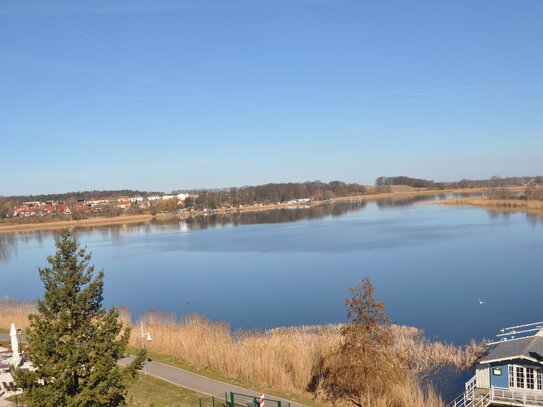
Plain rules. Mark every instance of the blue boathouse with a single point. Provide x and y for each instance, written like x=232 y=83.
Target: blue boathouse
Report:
x=510 y=373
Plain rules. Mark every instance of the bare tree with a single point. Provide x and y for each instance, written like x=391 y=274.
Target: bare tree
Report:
x=365 y=363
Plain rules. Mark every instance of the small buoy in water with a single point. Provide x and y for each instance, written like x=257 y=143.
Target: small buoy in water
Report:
x=481 y=301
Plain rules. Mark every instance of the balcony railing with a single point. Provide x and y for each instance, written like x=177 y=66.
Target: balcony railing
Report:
x=474 y=397
x=516 y=397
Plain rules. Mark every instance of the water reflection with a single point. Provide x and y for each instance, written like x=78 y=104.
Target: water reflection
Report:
x=406 y=201
x=282 y=215
x=8 y=246
x=114 y=233
x=403 y=201
x=533 y=218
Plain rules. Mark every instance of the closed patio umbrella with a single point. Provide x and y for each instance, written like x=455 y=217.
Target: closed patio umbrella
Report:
x=14 y=343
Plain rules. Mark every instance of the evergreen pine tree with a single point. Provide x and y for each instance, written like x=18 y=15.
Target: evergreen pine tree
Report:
x=74 y=342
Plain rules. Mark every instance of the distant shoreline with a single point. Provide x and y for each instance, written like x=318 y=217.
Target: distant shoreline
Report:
x=98 y=221
x=145 y=218
x=497 y=205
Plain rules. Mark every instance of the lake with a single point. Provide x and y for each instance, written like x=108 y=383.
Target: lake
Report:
x=430 y=264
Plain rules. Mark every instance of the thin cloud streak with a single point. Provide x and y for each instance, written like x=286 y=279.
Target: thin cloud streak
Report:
x=55 y=64
x=159 y=87
x=73 y=27
x=467 y=90
x=97 y=98
x=148 y=6
x=126 y=75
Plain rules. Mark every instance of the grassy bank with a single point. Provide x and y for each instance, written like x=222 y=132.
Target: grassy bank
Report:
x=499 y=205
x=148 y=391
x=287 y=362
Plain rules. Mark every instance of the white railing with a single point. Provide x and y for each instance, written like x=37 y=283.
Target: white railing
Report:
x=471 y=384
x=520 y=397
x=460 y=401
x=465 y=399
x=513 y=397
x=482 y=400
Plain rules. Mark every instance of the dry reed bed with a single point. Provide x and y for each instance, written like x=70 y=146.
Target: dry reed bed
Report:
x=16 y=312
x=409 y=394
x=283 y=358
x=498 y=204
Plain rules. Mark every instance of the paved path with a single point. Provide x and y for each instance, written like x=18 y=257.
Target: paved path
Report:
x=189 y=380
x=199 y=383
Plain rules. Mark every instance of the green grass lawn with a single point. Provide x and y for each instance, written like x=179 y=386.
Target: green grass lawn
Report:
x=148 y=391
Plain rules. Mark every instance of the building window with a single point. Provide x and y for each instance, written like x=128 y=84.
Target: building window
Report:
x=519 y=373
x=530 y=382
x=528 y=378
x=511 y=376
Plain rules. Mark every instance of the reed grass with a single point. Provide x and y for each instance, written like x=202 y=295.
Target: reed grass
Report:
x=288 y=358
x=16 y=312
x=528 y=205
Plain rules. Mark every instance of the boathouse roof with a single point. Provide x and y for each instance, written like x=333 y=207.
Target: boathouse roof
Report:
x=530 y=348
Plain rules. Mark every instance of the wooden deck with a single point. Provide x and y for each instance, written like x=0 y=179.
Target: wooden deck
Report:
x=495 y=397
x=508 y=397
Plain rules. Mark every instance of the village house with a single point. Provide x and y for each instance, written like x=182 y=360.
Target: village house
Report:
x=123 y=203
x=36 y=208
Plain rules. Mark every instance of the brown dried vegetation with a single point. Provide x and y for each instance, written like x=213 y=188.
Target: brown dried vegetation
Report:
x=289 y=359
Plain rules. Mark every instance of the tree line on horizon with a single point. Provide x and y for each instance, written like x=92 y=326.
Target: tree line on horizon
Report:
x=493 y=182
x=274 y=193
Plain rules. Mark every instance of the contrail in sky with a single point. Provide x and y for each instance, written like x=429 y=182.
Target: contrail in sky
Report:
x=71 y=26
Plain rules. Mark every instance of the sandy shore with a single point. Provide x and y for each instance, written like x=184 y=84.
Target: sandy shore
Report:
x=70 y=224
x=400 y=193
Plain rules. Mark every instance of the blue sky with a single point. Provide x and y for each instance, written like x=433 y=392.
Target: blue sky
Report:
x=168 y=94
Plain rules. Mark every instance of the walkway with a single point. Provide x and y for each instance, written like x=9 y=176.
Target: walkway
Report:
x=199 y=383
x=189 y=380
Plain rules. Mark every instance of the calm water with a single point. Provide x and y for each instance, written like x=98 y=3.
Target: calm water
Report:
x=430 y=265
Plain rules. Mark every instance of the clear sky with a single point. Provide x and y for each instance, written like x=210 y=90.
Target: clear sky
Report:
x=168 y=94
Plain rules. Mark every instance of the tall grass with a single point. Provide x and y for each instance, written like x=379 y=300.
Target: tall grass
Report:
x=289 y=359
x=16 y=312
x=409 y=394
x=284 y=358
x=499 y=204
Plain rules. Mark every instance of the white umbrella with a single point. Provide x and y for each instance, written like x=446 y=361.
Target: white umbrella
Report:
x=14 y=342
